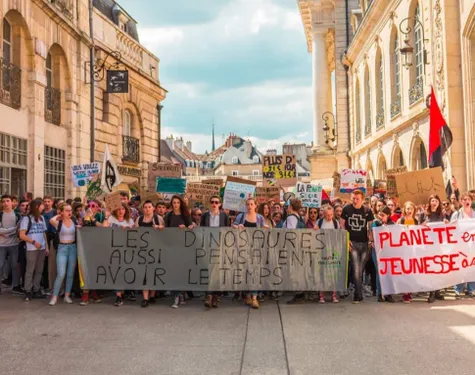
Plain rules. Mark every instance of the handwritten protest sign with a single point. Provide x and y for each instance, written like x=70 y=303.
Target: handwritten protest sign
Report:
x=417 y=186
x=201 y=192
x=380 y=186
x=353 y=179
x=113 y=201
x=170 y=185
x=82 y=174
x=213 y=259
x=425 y=258
x=282 y=168
x=213 y=181
x=267 y=193
x=94 y=190
x=391 y=187
x=310 y=195
x=236 y=192
x=161 y=170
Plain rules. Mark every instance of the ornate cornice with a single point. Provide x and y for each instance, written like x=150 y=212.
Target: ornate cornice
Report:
x=316 y=14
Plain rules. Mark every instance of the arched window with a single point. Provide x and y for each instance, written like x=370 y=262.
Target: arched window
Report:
x=367 y=81
x=382 y=167
x=234 y=160
x=49 y=71
x=398 y=158
x=357 y=112
x=7 y=42
x=379 y=74
x=420 y=156
x=418 y=47
x=127 y=125
x=396 y=74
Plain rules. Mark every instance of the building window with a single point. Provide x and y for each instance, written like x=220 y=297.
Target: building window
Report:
x=234 y=160
x=55 y=166
x=418 y=47
x=13 y=164
x=127 y=126
x=7 y=42
x=379 y=90
x=256 y=172
x=235 y=173
x=396 y=76
x=52 y=95
x=367 y=102
x=357 y=112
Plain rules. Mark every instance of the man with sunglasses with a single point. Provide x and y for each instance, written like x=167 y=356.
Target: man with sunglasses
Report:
x=214 y=218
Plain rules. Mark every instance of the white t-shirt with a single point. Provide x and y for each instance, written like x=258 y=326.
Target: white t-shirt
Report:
x=113 y=222
x=329 y=224
x=36 y=232
x=291 y=222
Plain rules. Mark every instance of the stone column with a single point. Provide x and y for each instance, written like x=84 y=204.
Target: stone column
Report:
x=320 y=83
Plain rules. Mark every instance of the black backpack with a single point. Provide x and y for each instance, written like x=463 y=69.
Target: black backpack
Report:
x=58 y=230
x=300 y=221
x=320 y=222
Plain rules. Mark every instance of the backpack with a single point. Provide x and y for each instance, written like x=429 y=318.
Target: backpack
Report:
x=56 y=240
x=300 y=222
x=155 y=220
x=320 y=222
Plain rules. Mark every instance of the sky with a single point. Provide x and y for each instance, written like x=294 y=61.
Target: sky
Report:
x=242 y=64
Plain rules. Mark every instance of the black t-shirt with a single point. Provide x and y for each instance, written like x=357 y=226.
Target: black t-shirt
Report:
x=174 y=221
x=248 y=224
x=356 y=222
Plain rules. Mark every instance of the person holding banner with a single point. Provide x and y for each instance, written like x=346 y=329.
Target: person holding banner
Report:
x=214 y=218
x=178 y=217
x=464 y=213
x=357 y=220
x=250 y=219
x=384 y=215
x=149 y=220
x=66 y=257
x=120 y=218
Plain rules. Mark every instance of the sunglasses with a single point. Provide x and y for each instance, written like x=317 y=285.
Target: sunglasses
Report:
x=215 y=202
x=92 y=206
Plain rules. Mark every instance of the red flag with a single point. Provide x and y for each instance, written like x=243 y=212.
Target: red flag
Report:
x=440 y=136
x=325 y=196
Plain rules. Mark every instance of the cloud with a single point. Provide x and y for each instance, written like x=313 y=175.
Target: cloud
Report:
x=242 y=64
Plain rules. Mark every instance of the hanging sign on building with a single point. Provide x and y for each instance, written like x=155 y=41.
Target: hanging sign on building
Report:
x=129 y=171
x=118 y=81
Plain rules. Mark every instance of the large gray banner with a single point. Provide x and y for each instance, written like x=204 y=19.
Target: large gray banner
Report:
x=213 y=259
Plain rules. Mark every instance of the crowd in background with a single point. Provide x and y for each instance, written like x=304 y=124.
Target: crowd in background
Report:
x=38 y=253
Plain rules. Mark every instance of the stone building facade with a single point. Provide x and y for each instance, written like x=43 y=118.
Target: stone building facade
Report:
x=45 y=95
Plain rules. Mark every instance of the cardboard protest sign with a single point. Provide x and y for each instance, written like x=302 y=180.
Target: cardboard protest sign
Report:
x=153 y=197
x=170 y=185
x=267 y=193
x=282 y=168
x=213 y=259
x=82 y=174
x=201 y=192
x=161 y=170
x=391 y=187
x=113 y=201
x=214 y=181
x=415 y=258
x=236 y=193
x=310 y=195
x=417 y=186
x=353 y=179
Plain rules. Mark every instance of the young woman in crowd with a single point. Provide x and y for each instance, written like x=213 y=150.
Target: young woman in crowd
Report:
x=338 y=209
x=178 y=217
x=149 y=219
x=66 y=257
x=408 y=218
x=312 y=217
x=383 y=219
x=433 y=214
x=120 y=218
x=264 y=211
x=33 y=232
x=277 y=219
x=250 y=219
x=78 y=212
x=196 y=216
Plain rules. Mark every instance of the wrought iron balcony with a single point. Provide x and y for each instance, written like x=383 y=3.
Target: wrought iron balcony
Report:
x=380 y=118
x=130 y=149
x=10 y=84
x=396 y=107
x=53 y=105
x=367 y=128
x=416 y=92
x=358 y=133
x=64 y=6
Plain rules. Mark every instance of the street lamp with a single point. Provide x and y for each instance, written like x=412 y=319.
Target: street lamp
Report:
x=408 y=51
x=333 y=137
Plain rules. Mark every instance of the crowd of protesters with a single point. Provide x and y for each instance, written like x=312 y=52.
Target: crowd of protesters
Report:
x=38 y=254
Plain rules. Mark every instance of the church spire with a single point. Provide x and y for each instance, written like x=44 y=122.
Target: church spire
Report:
x=213 y=146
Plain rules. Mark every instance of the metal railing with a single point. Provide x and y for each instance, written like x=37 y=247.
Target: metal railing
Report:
x=130 y=149
x=10 y=84
x=367 y=128
x=53 y=105
x=380 y=119
x=416 y=92
x=396 y=107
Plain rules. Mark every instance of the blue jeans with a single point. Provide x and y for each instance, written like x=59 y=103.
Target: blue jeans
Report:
x=375 y=261
x=66 y=260
x=470 y=287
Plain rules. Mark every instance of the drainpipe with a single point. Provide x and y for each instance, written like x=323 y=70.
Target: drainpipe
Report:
x=347 y=80
x=91 y=79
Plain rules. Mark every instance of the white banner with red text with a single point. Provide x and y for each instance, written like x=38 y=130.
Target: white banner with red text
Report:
x=424 y=258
